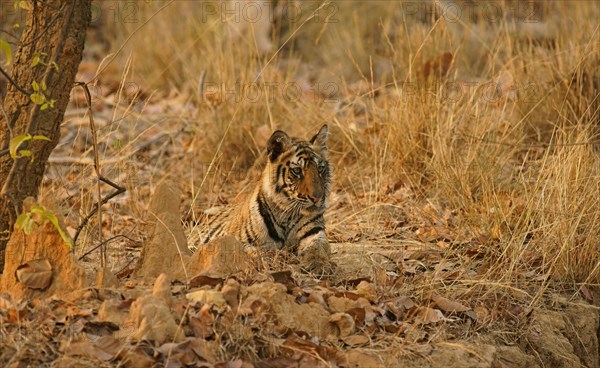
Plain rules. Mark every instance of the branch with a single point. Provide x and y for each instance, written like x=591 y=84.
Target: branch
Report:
x=101 y=201
x=87 y=218
x=21 y=89
x=106 y=242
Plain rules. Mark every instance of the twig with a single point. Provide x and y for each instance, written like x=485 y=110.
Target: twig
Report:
x=87 y=218
x=85 y=161
x=10 y=35
x=118 y=273
x=98 y=206
x=201 y=85
x=106 y=242
x=21 y=89
x=88 y=98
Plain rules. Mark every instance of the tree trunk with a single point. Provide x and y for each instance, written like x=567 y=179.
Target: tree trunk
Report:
x=54 y=34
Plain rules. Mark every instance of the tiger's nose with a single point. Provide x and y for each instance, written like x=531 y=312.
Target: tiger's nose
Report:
x=314 y=199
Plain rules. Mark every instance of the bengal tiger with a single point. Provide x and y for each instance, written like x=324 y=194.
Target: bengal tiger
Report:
x=286 y=207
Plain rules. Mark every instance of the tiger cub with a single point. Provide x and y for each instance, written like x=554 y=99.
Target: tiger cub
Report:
x=285 y=209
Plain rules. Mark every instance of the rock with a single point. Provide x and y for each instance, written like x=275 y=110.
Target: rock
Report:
x=583 y=331
x=111 y=311
x=153 y=321
x=546 y=337
x=43 y=243
x=513 y=357
x=162 y=289
x=166 y=250
x=208 y=297
x=311 y=318
x=105 y=279
x=220 y=257
x=231 y=292
x=344 y=322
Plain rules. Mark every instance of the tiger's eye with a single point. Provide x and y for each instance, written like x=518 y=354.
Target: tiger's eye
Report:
x=322 y=169
x=296 y=171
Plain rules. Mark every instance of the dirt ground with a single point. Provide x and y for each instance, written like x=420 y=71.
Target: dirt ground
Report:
x=388 y=304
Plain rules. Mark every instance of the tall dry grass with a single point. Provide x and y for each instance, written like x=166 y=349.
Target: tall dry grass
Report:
x=505 y=136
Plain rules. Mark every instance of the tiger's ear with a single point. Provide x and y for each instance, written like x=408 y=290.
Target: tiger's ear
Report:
x=319 y=141
x=277 y=144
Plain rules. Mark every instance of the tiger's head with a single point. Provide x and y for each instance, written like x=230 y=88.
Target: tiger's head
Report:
x=298 y=173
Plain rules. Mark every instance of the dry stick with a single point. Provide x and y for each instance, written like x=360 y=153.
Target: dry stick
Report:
x=88 y=98
x=21 y=89
x=87 y=218
x=106 y=242
x=98 y=206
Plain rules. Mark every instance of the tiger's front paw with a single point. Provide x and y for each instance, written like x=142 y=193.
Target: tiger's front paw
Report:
x=316 y=258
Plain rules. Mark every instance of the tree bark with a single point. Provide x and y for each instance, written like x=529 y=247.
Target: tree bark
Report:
x=54 y=33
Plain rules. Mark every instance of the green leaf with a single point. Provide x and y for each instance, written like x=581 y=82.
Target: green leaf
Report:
x=40 y=138
x=28 y=226
x=55 y=65
x=5 y=47
x=49 y=216
x=25 y=153
x=35 y=61
x=21 y=219
x=15 y=142
x=25 y=223
x=37 y=98
x=35 y=86
x=43 y=86
x=44 y=106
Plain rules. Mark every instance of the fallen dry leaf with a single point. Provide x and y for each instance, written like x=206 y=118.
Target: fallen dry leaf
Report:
x=204 y=280
x=202 y=323
x=355 y=340
x=586 y=293
x=359 y=315
x=135 y=358
x=359 y=359
x=344 y=322
x=448 y=305
x=367 y=290
x=36 y=274
x=278 y=362
x=283 y=277
x=426 y=315
x=207 y=297
x=104 y=349
x=183 y=353
x=400 y=304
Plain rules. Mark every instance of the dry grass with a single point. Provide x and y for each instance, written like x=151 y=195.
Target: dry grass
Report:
x=498 y=146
